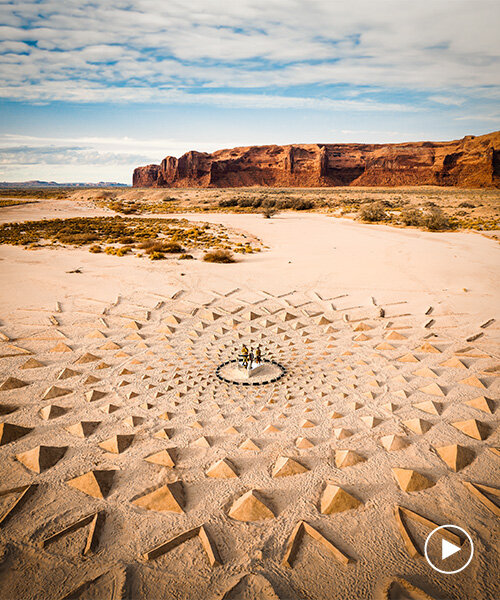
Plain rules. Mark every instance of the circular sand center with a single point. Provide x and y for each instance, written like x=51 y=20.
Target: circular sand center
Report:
x=267 y=372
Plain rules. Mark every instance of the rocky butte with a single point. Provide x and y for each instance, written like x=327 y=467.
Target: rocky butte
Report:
x=469 y=162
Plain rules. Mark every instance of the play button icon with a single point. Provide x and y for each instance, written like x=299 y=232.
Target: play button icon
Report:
x=449 y=549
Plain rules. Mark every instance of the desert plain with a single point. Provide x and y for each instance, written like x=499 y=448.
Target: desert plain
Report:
x=128 y=469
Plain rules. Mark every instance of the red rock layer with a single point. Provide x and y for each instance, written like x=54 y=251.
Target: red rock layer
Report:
x=469 y=162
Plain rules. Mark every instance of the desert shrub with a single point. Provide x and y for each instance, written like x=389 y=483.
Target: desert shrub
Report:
x=434 y=219
x=373 y=212
x=106 y=194
x=266 y=202
x=95 y=249
x=186 y=257
x=77 y=239
x=411 y=217
x=228 y=203
x=295 y=204
x=152 y=245
x=5 y=203
x=249 y=202
x=156 y=255
x=149 y=243
x=126 y=239
x=219 y=256
x=117 y=251
x=123 y=207
x=171 y=247
x=268 y=212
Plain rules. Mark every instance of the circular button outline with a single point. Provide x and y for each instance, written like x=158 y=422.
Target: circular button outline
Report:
x=430 y=561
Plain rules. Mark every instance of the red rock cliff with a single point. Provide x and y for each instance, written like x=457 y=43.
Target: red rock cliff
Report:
x=469 y=162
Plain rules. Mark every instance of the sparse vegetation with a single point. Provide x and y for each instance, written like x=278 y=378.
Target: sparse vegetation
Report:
x=158 y=246
x=434 y=219
x=269 y=212
x=411 y=217
x=219 y=256
x=477 y=209
x=35 y=193
x=120 y=235
x=373 y=212
x=6 y=203
x=155 y=255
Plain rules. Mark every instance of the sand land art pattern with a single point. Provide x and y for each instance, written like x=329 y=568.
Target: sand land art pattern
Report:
x=129 y=470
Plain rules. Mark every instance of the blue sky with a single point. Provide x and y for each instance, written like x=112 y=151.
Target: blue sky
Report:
x=89 y=90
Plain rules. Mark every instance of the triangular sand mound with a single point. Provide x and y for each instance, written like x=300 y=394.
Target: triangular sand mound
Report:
x=453 y=362
x=117 y=443
x=11 y=383
x=162 y=458
x=482 y=403
x=455 y=456
x=93 y=395
x=249 y=445
x=52 y=411
x=82 y=429
x=61 y=347
x=285 y=467
x=399 y=589
x=93 y=483
x=67 y=374
x=42 y=457
x=347 y=458
x=411 y=481
x=418 y=425
x=432 y=389
x=250 y=507
x=222 y=469
x=474 y=382
x=428 y=406
x=393 y=442
x=473 y=428
x=201 y=442
x=55 y=392
x=334 y=499
x=304 y=443
x=86 y=358
x=168 y=497
x=10 y=432
x=251 y=587
x=32 y=363
x=162 y=434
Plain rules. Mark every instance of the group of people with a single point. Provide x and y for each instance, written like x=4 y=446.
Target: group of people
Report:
x=249 y=357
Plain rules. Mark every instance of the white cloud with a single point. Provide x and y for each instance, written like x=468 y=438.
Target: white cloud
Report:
x=446 y=100
x=24 y=157
x=157 y=51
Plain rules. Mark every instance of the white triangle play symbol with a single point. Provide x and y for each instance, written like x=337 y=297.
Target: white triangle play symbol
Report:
x=448 y=549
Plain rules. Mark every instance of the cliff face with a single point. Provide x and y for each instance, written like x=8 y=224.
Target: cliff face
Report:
x=469 y=162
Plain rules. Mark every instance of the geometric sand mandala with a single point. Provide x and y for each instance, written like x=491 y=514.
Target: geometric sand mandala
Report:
x=128 y=469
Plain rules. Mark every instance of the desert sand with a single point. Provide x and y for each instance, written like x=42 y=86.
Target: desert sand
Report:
x=128 y=469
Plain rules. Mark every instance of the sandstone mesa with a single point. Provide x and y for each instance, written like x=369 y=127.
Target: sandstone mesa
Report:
x=469 y=162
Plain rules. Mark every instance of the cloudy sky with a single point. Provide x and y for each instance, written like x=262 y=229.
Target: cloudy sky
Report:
x=90 y=89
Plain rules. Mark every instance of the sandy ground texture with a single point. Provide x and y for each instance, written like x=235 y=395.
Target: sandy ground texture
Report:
x=114 y=423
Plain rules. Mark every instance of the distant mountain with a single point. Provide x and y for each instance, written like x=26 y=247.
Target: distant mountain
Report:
x=53 y=184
